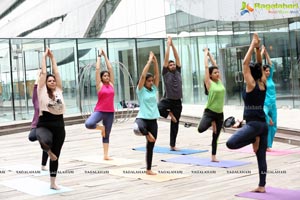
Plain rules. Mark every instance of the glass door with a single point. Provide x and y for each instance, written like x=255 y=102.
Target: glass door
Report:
x=233 y=75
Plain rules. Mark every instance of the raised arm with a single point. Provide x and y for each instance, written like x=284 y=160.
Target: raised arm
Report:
x=97 y=75
x=250 y=83
x=212 y=60
x=55 y=69
x=109 y=68
x=207 y=77
x=266 y=54
x=43 y=74
x=259 y=60
x=167 y=55
x=156 y=72
x=175 y=53
x=145 y=71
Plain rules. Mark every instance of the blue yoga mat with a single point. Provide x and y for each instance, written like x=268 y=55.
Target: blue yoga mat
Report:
x=33 y=186
x=158 y=149
x=205 y=162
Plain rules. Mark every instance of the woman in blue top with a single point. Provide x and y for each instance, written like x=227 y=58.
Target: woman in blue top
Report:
x=270 y=108
x=255 y=130
x=145 y=123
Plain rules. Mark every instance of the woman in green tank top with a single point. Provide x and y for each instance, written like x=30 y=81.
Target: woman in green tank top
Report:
x=213 y=113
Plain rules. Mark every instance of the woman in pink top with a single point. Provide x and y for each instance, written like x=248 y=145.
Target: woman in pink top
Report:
x=104 y=109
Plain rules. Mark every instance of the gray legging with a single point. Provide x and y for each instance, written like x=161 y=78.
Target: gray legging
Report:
x=206 y=120
x=96 y=117
x=246 y=135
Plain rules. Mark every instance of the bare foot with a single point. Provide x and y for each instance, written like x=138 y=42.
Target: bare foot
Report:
x=255 y=145
x=269 y=149
x=214 y=158
x=52 y=156
x=259 y=189
x=173 y=118
x=237 y=124
x=107 y=158
x=54 y=187
x=102 y=129
x=150 y=172
x=174 y=149
x=43 y=168
x=214 y=127
x=150 y=137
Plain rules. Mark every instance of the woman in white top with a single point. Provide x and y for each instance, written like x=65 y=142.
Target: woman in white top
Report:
x=51 y=128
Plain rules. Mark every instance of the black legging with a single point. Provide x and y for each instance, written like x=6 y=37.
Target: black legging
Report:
x=175 y=106
x=44 y=158
x=247 y=135
x=145 y=126
x=206 y=120
x=51 y=135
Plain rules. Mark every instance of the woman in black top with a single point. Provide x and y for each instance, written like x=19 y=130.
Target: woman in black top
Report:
x=256 y=130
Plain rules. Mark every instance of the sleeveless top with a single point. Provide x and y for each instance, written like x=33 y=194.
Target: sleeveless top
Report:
x=105 y=101
x=216 y=96
x=254 y=104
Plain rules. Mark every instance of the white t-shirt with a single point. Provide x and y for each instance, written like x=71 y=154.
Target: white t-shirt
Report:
x=56 y=106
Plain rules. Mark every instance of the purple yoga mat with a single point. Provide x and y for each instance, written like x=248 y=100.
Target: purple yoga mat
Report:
x=205 y=162
x=273 y=194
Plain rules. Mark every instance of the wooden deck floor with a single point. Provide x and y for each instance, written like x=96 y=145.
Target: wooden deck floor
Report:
x=218 y=184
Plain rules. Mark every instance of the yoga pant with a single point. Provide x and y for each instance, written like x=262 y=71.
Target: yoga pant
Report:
x=145 y=126
x=206 y=120
x=175 y=106
x=107 y=119
x=51 y=134
x=245 y=136
x=271 y=112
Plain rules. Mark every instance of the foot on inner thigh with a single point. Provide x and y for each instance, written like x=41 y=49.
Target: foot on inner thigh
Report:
x=150 y=137
x=52 y=156
x=255 y=145
x=173 y=118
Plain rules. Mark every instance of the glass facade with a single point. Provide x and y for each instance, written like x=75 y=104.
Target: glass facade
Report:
x=128 y=36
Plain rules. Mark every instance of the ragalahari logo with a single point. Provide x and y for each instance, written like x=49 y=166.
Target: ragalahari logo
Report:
x=246 y=8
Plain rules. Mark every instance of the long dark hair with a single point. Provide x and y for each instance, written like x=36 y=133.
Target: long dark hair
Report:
x=266 y=67
x=255 y=69
x=50 y=93
x=148 y=75
x=103 y=72
x=210 y=69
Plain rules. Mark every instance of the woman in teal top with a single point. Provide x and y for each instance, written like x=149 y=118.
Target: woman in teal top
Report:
x=145 y=123
x=270 y=108
x=213 y=113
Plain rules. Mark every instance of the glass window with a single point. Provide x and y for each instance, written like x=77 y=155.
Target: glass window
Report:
x=65 y=54
x=6 y=111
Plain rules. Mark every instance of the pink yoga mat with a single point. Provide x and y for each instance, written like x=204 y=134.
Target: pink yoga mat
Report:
x=273 y=194
x=274 y=152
